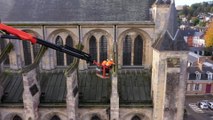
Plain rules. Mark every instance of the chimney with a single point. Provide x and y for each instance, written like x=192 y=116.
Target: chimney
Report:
x=201 y=60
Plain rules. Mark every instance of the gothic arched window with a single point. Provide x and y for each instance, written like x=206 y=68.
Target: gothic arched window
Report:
x=36 y=48
x=93 y=48
x=59 y=55
x=69 y=42
x=127 y=43
x=16 y=117
x=27 y=52
x=55 y=117
x=103 y=48
x=135 y=118
x=95 y=117
x=2 y=46
x=138 y=50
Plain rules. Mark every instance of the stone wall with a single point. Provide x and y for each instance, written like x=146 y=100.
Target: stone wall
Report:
x=50 y=32
x=143 y=113
x=169 y=83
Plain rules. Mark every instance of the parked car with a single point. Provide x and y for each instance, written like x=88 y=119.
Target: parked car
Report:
x=210 y=104
x=206 y=101
x=203 y=105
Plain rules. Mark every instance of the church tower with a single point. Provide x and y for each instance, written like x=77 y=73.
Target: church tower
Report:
x=169 y=66
x=160 y=10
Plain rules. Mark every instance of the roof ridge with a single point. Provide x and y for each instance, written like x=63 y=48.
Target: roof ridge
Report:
x=173 y=38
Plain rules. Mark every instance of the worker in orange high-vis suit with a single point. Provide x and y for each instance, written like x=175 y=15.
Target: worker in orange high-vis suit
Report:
x=109 y=65
x=104 y=63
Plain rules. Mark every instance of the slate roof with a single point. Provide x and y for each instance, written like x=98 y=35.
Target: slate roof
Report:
x=12 y=87
x=74 y=10
x=163 y=1
x=53 y=87
x=134 y=87
x=171 y=39
x=92 y=89
x=188 y=32
x=192 y=57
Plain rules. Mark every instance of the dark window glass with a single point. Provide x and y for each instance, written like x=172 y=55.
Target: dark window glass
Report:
x=95 y=117
x=69 y=42
x=2 y=46
x=103 y=48
x=93 y=48
x=27 y=52
x=59 y=55
x=36 y=48
x=127 y=43
x=55 y=117
x=135 y=118
x=16 y=117
x=138 y=50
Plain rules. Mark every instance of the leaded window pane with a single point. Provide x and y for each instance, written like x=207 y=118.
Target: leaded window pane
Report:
x=138 y=50
x=95 y=117
x=36 y=48
x=16 y=117
x=59 y=55
x=27 y=52
x=103 y=48
x=2 y=46
x=69 y=42
x=55 y=117
x=127 y=43
x=135 y=118
x=93 y=48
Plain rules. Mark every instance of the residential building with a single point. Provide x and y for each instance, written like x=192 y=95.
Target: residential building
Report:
x=147 y=82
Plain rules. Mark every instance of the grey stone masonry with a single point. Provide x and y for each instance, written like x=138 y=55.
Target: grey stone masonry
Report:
x=169 y=96
x=16 y=61
x=114 y=100
x=31 y=95
x=160 y=15
x=72 y=95
x=1 y=90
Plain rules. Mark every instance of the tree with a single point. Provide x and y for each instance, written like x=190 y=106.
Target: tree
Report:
x=195 y=21
x=209 y=36
x=202 y=24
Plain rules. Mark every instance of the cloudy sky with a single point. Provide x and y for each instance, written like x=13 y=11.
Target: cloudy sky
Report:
x=189 y=2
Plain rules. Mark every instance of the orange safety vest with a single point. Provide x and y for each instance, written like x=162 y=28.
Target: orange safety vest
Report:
x=109 y=63
x=104 y=63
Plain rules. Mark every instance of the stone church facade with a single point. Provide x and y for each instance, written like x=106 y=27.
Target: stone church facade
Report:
x=38 y=83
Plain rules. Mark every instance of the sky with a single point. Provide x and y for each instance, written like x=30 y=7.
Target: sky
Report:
x=189 y=2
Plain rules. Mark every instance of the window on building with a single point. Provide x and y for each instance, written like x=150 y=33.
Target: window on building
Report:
x=209 y=75
x=138 y=50
x=95 y=117
x=55 y=117
x=69 y=42
x=135 y=118
x=93 y=48
x=27 y=52
x=103 y=48
x=59 y=55
x=198 y=75
x=197 y=87
x=36 y=48
x=16 y=117
x=200 y=52
x=127 y=49
x=2 y=46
